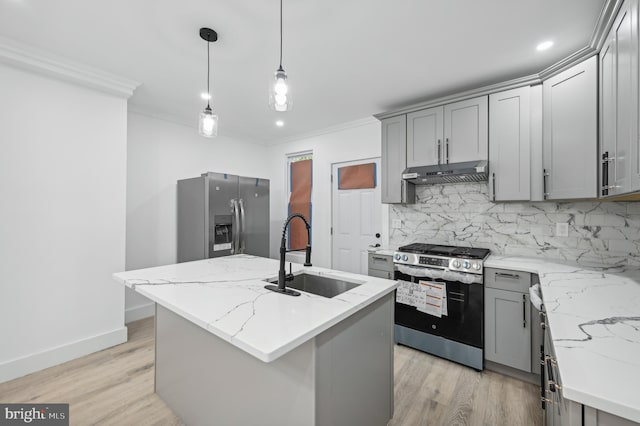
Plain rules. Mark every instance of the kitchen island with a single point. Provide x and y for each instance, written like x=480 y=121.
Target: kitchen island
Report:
x=228 y=351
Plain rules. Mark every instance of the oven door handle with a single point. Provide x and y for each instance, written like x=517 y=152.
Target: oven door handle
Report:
x=435 y=274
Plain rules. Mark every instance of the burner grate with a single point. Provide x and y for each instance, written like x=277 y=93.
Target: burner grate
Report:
x=447 y=251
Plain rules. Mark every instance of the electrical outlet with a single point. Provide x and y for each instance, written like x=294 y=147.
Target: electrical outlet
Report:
x=396 y=223
x=562 y=229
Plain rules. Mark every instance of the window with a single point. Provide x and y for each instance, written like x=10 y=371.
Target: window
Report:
x=300 y=184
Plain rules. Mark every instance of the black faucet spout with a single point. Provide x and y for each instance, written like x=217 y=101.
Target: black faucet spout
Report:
x=282 y=275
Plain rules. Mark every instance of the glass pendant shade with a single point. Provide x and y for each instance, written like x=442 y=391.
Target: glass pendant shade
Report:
x=279 y=93
x=208 y=125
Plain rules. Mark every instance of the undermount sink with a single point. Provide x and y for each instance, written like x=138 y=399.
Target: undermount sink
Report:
x=325 y=286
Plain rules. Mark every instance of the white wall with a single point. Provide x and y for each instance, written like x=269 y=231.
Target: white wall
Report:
x=62 y=221
x=354 y=141
x=159 y=153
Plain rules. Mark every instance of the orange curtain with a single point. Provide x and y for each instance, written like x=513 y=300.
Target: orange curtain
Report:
x=300 y=202
x=360 y=176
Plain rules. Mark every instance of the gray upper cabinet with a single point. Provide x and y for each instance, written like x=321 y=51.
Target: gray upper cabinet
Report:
x=394 y=157
x=570 y=132
x=424 y=137
x=619 y=102
x=451 y=133
x=466 y=134
x=509 y=137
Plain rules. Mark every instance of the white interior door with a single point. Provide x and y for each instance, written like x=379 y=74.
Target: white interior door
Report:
x=356 y=221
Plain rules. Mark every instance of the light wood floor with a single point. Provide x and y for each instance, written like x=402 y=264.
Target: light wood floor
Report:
x=115 y=387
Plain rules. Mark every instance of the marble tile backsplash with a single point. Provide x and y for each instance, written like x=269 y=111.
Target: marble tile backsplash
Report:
x=600 y=233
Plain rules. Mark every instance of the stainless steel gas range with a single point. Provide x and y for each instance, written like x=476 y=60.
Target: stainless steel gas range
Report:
x=440 y=301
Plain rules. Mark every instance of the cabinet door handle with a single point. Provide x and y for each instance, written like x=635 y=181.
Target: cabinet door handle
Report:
x=494 y=186
x=506 y=275
x=384 y=259
x=545 y=175
x=524 y=311
x=541 y=362
x=446 y=147
x=550 y=380
x=605 y=173
x=439 y=151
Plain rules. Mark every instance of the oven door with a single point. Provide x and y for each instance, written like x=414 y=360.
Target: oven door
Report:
x=464 y=321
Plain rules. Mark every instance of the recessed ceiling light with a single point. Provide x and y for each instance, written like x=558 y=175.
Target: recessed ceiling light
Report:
x=205 y=96
x=544 y=45
x=279 y=123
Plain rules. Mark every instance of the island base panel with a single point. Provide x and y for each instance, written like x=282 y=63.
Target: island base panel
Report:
x=354 y=364
x=206 y=380
x=343 y=376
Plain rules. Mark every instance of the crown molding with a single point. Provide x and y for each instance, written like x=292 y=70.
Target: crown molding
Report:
x=568 y=62
x=605 y=21
x=529 y=80
x=35 y=60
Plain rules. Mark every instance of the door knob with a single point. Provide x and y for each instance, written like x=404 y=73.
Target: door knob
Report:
x=377 y=235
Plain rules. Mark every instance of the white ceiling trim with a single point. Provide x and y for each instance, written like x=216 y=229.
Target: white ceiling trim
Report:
x=31 y=59
x=529 y=80
x=605 y=21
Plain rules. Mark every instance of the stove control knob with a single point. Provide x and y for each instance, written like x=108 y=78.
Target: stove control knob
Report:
x=466 y=264
x=476 y=266
x=456 y=263
x=397 y=256
x=405 y=257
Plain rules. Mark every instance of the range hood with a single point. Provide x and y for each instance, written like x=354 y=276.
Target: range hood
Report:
x=469 y=171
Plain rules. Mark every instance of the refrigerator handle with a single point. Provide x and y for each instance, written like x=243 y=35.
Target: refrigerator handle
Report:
x=243 y=228
x=235 y=223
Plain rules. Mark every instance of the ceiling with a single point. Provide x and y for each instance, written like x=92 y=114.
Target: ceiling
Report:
x=346 y=59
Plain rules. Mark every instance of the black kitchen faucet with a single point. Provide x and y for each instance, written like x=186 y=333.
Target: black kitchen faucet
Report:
x=283 y=277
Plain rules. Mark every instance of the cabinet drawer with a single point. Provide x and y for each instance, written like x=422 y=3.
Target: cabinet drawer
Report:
x=381 y=274
x=505 y=279
x=381 y=261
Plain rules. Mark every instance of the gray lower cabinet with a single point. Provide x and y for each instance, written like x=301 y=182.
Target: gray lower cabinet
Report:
x=570 y=132
x=394 y=158
x=508 y=318
x=380 y=265
x=508 y=337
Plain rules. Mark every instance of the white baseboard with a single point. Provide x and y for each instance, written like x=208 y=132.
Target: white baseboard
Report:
x=139 y=312
x=19 y=367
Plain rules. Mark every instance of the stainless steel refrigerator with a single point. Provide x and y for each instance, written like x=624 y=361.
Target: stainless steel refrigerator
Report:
x=221 y=214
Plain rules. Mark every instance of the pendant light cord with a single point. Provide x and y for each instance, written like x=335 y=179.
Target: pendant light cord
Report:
x=208 y=75
x=280 y=34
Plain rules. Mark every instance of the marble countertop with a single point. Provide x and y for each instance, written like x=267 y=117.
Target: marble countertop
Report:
x=594 y=320
x=226 y=296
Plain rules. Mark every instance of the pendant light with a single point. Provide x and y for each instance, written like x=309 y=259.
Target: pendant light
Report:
x=208 y=123
x=279 y=96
